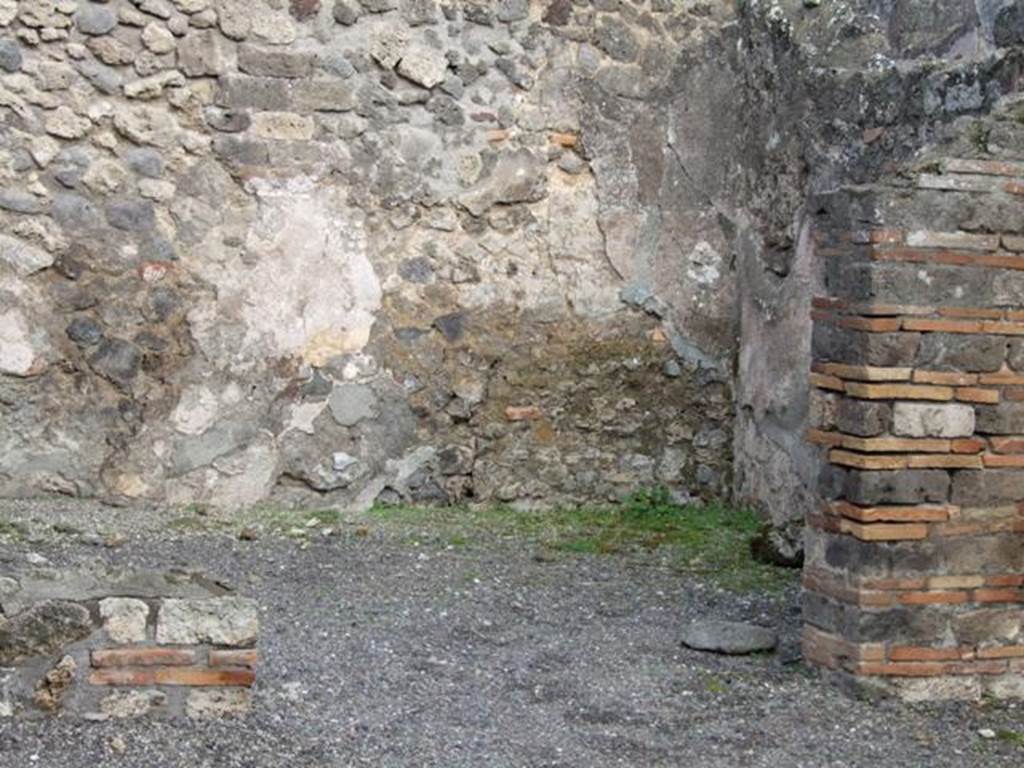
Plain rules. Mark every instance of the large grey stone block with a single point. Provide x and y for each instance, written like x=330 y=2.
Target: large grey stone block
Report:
x=220 y=620
x=903 y=487
x=933 y=420
x=988 y=487
x=1002 y=419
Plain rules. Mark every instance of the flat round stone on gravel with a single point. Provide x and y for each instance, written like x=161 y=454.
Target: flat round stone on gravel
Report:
x=731 y=637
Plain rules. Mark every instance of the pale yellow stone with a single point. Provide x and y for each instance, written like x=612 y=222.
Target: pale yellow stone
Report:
x=330 y=342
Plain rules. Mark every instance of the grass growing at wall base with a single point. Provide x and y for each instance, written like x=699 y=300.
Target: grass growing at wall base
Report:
x=710 y=540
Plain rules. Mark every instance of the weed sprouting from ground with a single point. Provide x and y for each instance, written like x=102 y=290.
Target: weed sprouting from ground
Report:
x=710 y=540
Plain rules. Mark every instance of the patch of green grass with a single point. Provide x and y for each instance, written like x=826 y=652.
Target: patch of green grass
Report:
x=324 y=516
x=584 y=545
x=197 y=524
x=282 y=521
x=1010 y=737
x=708 y=540
x=13 y=530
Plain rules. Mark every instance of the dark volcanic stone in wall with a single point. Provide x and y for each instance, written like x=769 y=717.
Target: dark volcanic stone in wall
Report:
x=1008 y=28
x=1016 y=355
x=991 y=487
x=982 y=554
x=303 y=9
x=558 y=13
x=830 y=343
x=42 y=629
x=117 y=360
x=95 y=19
x=131 y=215
x=902 y=625
x=10 y=55
x=902 y=487
x=347 y=12
x=865 y=418
x=866 y=558
x=84 y=331
x=1002 y=419
x=960 y=352
x=918 y=28
x=379 y=6
x=145 y=161
x=614 y=37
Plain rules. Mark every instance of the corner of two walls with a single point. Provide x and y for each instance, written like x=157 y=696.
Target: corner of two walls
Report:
x=334 y=252
x=833 y=110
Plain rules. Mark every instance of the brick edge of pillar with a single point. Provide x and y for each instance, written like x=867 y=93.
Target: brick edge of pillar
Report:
x=914 y=577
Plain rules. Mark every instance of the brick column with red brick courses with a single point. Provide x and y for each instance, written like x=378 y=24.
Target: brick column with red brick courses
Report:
x=914 y=575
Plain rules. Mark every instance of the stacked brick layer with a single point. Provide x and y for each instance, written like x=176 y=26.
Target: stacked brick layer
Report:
x=193 y=644
x=132 y=656
x=915 y=563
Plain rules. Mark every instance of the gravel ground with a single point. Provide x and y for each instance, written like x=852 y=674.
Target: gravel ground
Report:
x=381 y=650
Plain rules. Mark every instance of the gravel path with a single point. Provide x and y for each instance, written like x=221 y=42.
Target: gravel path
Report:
x=381 y=651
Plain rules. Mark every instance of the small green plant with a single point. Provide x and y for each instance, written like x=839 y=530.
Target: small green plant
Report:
x=714 y=684
x=977 y=134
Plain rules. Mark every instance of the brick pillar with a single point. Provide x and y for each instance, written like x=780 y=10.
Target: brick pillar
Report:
x=914 y=576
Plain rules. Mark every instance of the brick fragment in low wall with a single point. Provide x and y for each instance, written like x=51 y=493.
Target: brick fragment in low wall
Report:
x=147 y=654
x=915 y=560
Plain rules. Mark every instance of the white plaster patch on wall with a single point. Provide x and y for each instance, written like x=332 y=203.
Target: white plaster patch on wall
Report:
x=23 y=257
x=302 y=285
x=704 y=264
x=590 y=281
x=313 y=290
x=17 y=355
x=302 y=415
x=247 y=476
x=196 y=410
x=23 y=344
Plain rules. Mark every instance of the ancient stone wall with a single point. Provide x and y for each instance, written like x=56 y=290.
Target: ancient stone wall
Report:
x=513 y=251
x=843 y=93
x=915 y=563
x=330 y=252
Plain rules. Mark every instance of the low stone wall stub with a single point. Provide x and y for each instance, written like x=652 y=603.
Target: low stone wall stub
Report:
x=139 y=644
